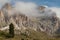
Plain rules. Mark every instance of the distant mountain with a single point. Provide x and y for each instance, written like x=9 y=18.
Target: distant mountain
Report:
x=48 y=23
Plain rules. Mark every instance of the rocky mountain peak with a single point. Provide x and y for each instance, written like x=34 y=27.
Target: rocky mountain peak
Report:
x=7 y=6
x=42 y=7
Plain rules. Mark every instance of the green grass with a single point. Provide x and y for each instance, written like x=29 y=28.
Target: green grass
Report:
x=33 y=36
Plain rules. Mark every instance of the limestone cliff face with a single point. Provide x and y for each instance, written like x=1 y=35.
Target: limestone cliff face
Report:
x=48 y=24
x=2 y=19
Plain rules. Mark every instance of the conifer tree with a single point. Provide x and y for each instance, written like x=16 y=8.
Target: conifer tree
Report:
x=11 y=30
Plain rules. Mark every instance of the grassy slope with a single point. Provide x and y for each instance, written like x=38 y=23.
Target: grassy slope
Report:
x=33 y=35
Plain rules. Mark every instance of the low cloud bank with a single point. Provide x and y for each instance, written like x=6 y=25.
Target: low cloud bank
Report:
x=27 y=8
x=31 y=9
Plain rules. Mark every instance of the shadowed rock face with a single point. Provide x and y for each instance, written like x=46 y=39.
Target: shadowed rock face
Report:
x=47 y=24
x=50 y=25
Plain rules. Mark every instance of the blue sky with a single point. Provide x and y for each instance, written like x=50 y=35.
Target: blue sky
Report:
x=50 y=3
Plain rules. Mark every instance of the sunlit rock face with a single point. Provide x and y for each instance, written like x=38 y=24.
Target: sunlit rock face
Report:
x=47 y=21
x=8 y=6
x=2 y=19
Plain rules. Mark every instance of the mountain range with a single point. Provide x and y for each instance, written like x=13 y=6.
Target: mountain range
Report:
x=47 y=21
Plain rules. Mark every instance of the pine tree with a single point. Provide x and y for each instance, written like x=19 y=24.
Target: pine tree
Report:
x=11 y=30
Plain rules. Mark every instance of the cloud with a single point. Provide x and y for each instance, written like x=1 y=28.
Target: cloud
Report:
x=56 y=10
x=31 y=9
x=26 y=8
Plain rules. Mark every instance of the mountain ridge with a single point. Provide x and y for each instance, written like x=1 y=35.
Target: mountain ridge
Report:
x=48 y=24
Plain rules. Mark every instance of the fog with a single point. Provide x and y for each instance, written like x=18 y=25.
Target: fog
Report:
x=31 y=9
